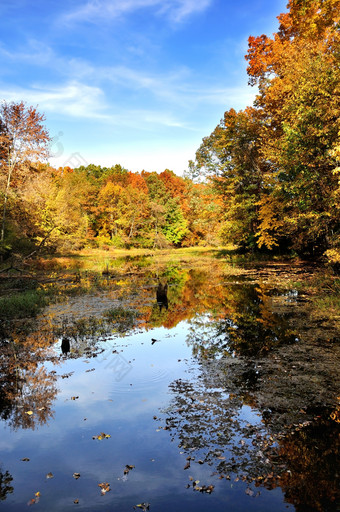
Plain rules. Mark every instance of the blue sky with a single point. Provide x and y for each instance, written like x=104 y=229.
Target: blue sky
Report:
x=134 y=82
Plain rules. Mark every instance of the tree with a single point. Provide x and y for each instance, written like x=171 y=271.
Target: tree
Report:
x=276 y=163
x=298 y=76
x=23 y=139
x=230 y=156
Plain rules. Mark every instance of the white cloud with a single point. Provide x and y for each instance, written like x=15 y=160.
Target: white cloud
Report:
x=72 y=99
x=181 y=9
x=98 y=10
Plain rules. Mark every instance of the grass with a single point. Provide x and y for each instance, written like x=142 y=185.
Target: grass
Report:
x=123 y=319
x=22 y=305
x=323 y=289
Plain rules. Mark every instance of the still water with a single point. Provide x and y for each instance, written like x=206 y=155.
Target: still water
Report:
x=215 y=393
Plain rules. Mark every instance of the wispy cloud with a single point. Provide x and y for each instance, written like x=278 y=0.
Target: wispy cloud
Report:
x=77 y=100
x=98 y=10
x=72 y=99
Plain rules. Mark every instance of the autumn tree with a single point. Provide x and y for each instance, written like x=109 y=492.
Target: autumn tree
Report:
x=276 y=164
x=230 y=157
x=23 y=139
x=297 y=71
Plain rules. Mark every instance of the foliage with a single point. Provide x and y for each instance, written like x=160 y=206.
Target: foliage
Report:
x=269 y=174
x=23 y=139
x=276 y=164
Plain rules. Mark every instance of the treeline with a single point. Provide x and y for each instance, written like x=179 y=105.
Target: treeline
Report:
x=276 y=164
x=270 y=172
x=95 y=206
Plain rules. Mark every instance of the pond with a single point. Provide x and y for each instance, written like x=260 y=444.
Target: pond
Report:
x=172 y=388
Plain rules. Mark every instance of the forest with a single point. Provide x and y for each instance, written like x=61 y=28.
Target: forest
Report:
x=266 y=179
x=171 y=340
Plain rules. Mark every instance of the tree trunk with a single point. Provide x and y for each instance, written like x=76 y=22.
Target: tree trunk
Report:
x=4 y=211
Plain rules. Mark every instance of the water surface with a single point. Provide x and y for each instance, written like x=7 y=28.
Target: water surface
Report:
x=221 y=398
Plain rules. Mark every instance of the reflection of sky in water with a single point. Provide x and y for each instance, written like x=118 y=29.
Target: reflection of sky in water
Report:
x=121 y=399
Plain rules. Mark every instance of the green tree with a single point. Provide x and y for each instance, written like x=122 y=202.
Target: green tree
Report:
x=231 y=157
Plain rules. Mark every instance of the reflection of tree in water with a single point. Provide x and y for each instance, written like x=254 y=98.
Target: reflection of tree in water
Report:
x=5 y=484
x=27 y=388
x=253 y=320
x=215 y=427
x=259 y=410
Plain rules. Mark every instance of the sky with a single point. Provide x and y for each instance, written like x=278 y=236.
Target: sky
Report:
x=132 y=82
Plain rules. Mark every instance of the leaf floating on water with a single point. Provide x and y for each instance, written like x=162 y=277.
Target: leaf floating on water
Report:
x=34 y=500
x=67 y=375
x=76 y=501
x=76 y=475
x=249 y=492
x=128 y=468
x=205 y=488
x=74 y=397
x=49 y=475
x=29 y=413
x=143 y=506
x=101 y=436
x=187 y=466
x=104 y=487
x=90 y=370
x=25 y=459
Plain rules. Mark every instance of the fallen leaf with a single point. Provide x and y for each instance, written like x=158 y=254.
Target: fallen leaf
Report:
x=76 y=475
x=29 y=413
x=66 y=375
x=143 y=506
x=104 y=487
x=187 y=466
x=101 y=436
x=25 y=459
x=49 y=475
x=128 y=468
x=35 y=499
x=76 y=501
x=74 y=397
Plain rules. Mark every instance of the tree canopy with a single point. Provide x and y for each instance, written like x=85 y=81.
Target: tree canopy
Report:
x=277 y=162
